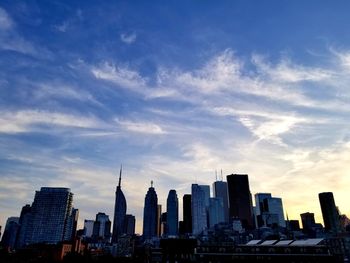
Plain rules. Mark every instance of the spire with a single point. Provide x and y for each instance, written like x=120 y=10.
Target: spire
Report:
x=221 y=176
x=152 y=183
x=120 y=175
x=216 y=175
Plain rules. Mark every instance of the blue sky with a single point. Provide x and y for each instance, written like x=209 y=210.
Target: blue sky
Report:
x=174 y=90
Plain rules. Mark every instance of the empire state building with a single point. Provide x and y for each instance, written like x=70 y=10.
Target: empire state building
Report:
x=119 y=211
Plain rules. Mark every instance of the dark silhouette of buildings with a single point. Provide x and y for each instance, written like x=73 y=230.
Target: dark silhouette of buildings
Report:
x=10 y=234
x=240 y=202
x=173 y=214
x=307 y=221
x=330 y=213
x=187 y=214
x=150 y=214
x=119 y=211
x=24 y=222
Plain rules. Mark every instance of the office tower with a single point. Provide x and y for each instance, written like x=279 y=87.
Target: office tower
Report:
x=240 y=203
x=163 y=224
x=220 y=191
x=274 y=206
x=259 y=202
x=119 y=211
x=308 y=222
x=24 y=226
x=102 y=228
x=216 y=211
x=199 y=208
x=150 y=214
x=172 y=208
x=130 y=224
x=330 y=213
x=187 y=213
x=10 y=234
x=50 y=212
x=88 y=227
x=159 y=221
x=71 y=228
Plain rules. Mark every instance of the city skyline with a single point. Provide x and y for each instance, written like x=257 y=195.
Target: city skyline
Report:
x=174 y=91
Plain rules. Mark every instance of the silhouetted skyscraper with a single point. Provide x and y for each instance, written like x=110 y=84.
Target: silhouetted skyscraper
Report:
x=10 y=234
x=119 y=211
x=88 y=227
x=130 y=224
x=308 y=222
x=187 y=213
x=172 y=214
x=159 y=221
x=102 y=228
x=150 y=214
x=24 y=226
x=200 y=203
x=216 y=211
x=220 y=191
x=240 y=202
x=330 y=213
x=51 y=210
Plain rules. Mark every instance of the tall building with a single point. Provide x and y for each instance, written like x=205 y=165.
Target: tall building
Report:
x=187 y=213
x=216 y=211
x=220 y=191
x=24 y=226
x=308 y=221
x=50 y=213
x=269 y=210
x=102 y=228
x=88 y=227
x=10 y=234
x=159 y=221
x=240 y=202
x=119 y=211
x=199 y=205
x=330 y=213
x=72 y=223
x=172 y=208
x=130 y=223
x=150 y=213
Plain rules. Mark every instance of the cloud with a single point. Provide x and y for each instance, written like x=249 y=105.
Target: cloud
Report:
x=141 y=127
x=63 y=26
x=128 y=38
x=6 y=22
x=24 y=121
x=122 y=76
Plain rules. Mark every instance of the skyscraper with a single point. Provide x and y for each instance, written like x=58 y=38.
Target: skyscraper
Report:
x=24 y=226
x=10 y=234
x=88 y=227
x=308 y=221
x=102 y=228
x=119 y=211
x=240 y=202
x=199 y=207
x=216 y=211
x=150 y=213
x=172 y=214
x=269 y=210
x=220 y=191
x=159 y=222
x=187 y=213
x=130 y=224
x=330 y=213
x=50 y=213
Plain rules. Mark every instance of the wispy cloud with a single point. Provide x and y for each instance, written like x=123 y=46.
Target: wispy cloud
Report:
x=23 y=121
x=63 y=26
x=6 y=22
x=128 y=38
x=141 y=127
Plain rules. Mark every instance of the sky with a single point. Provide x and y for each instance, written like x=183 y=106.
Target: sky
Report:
x=174 y=90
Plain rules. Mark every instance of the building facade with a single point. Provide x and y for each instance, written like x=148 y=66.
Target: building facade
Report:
x=330 y=213
x=172 y=214
x=220 y=191
x=199 y=206
x=150 y=212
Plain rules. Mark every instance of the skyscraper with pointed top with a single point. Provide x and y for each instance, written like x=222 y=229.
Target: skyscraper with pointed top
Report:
x=150 y=213
x=119 y=211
